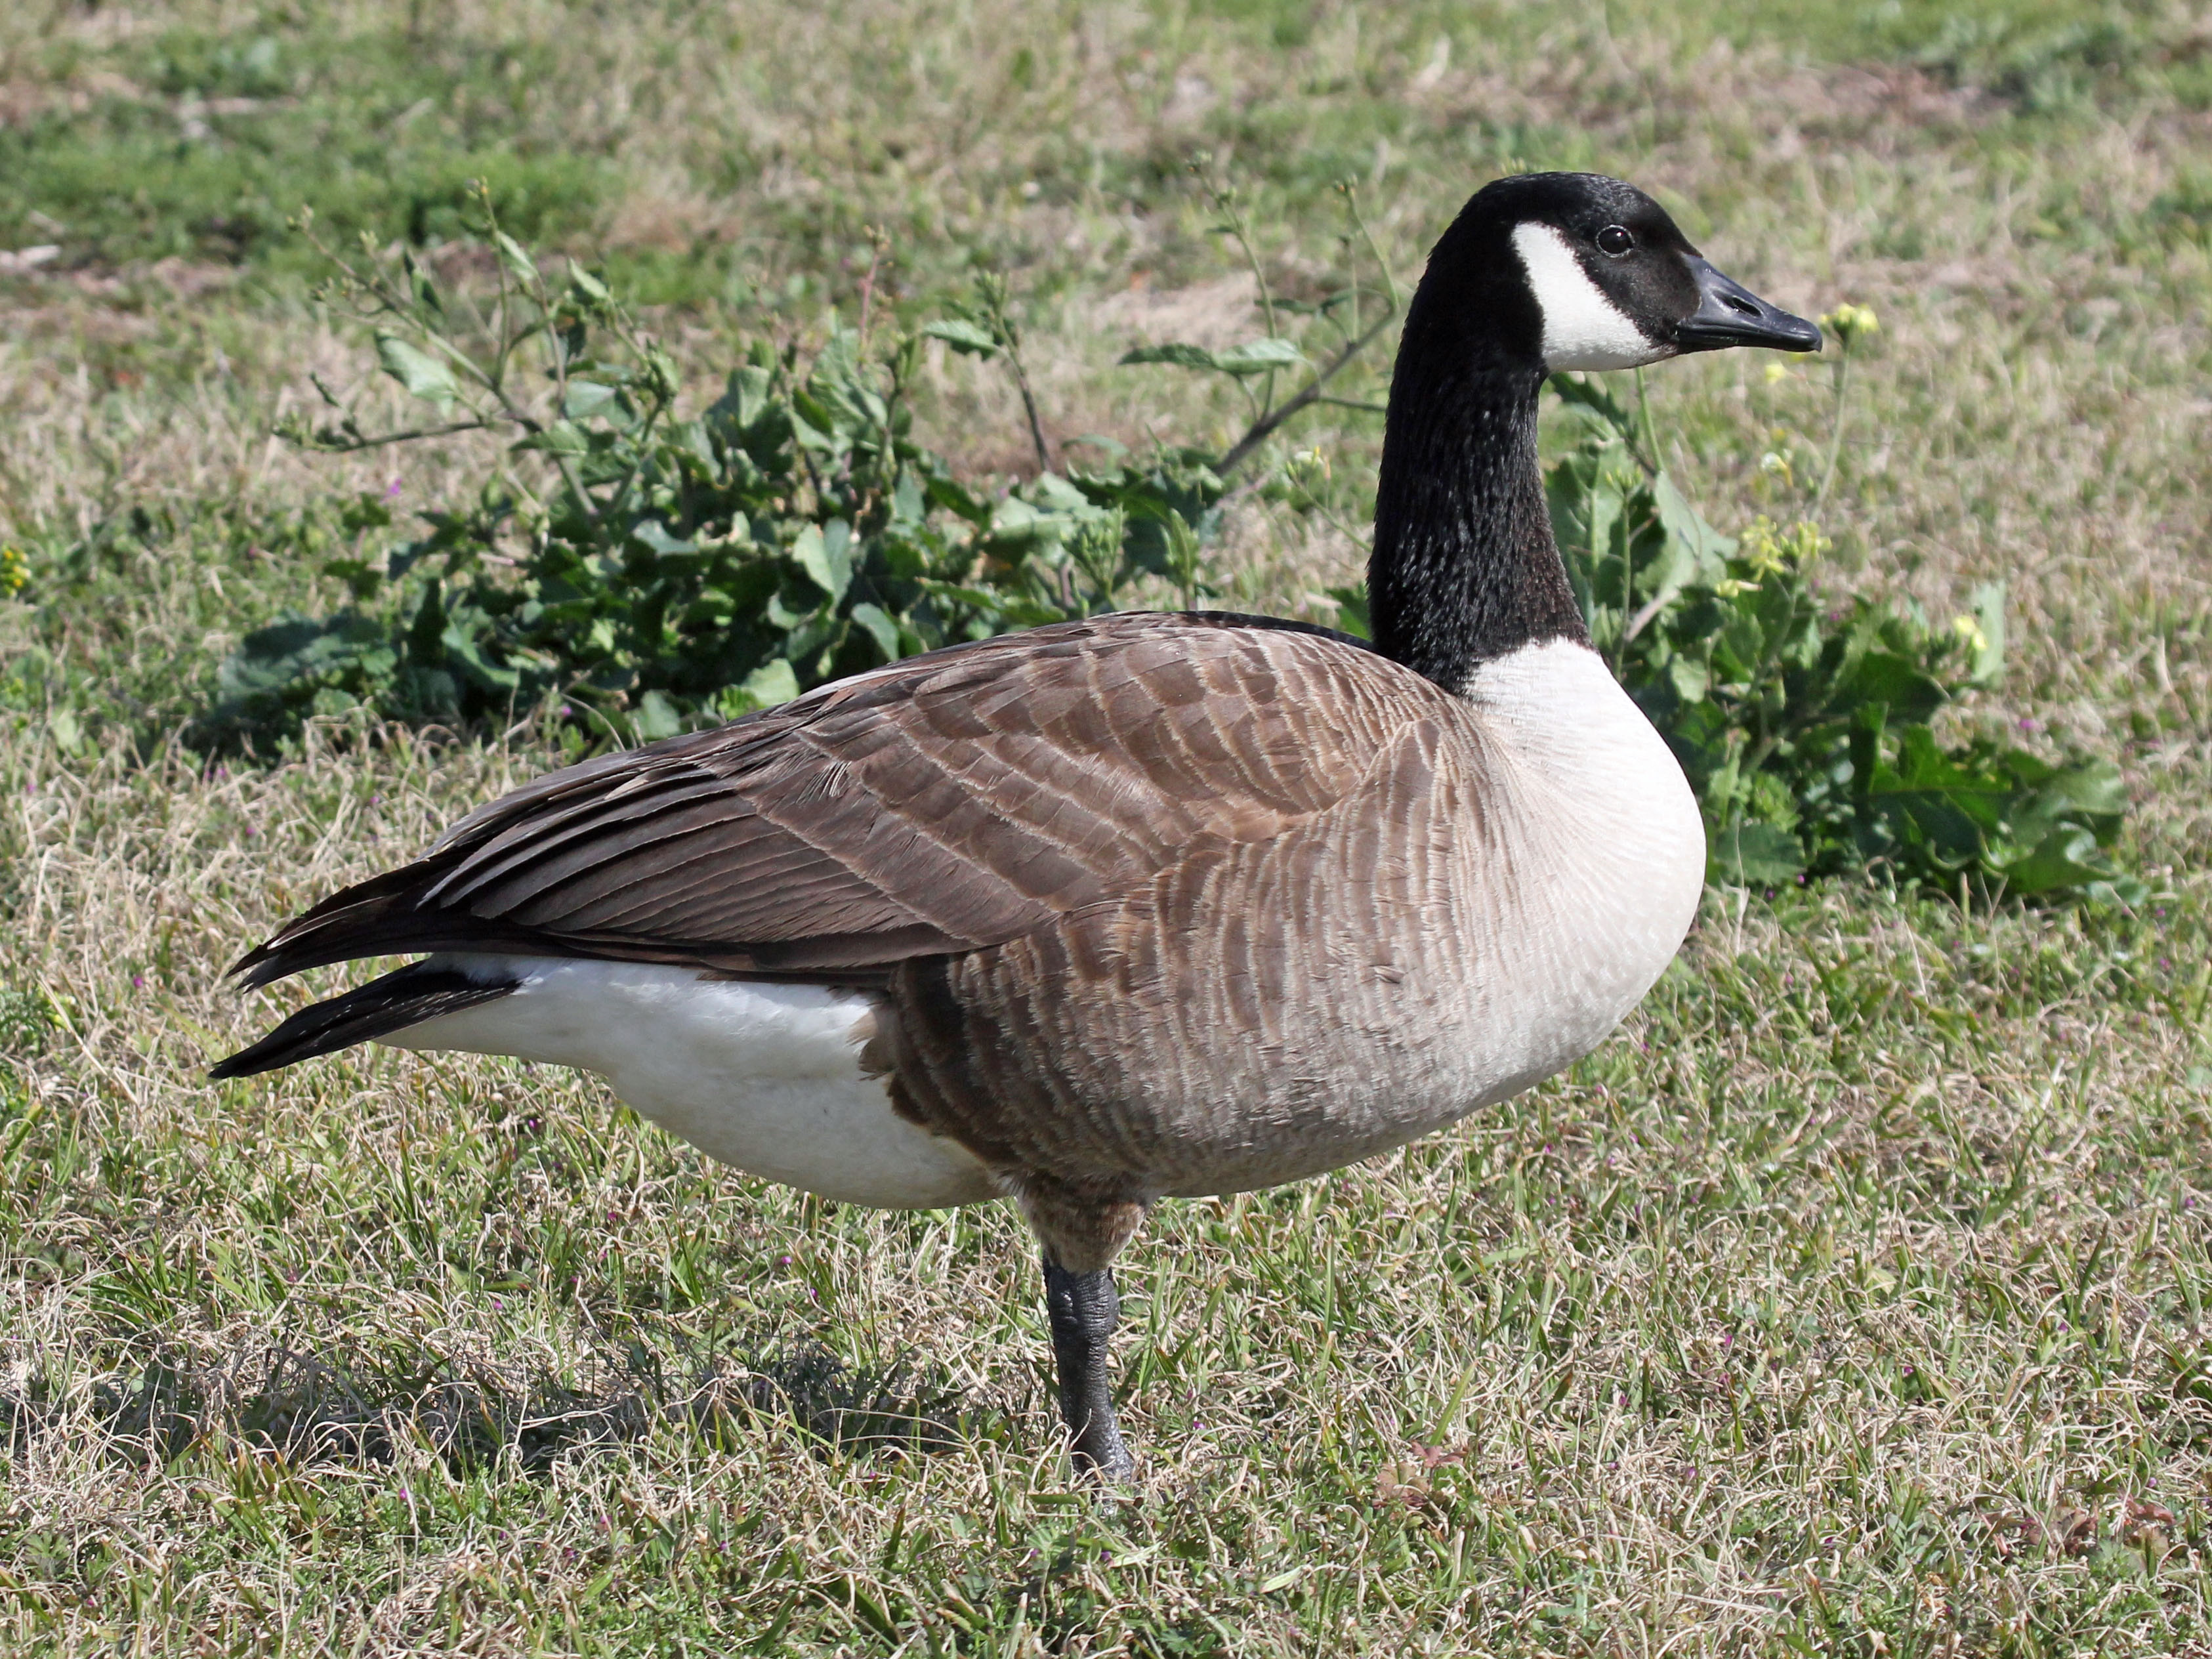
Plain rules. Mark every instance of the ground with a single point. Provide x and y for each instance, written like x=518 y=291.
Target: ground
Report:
x=1849 y=1300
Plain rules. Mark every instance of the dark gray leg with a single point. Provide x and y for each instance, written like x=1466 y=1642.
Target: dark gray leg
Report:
x=1083 y=1308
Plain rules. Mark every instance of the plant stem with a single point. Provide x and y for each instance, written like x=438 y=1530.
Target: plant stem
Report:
x=1264 y=428
x=1835 y=436
x=1650 y=455
x=1225 y=203
x=992 y=290
x=1030 y=408
x=1359 y=222
x=353 y=444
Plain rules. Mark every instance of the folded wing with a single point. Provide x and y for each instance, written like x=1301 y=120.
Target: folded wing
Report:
x=953 y=801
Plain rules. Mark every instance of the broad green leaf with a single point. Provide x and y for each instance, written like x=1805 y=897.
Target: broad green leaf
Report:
x=519 y=264
x=1583 y=392
x=880 y=628
x=1907 y=690
x=1054 y=493
x=1182 y=356
x=657 y=717
x=1351 y=611
x=820 y=552
x=586 y=397
x=771 y=684
x=559 y=439
x=464 y=646
x=2091 y=786
x=971 y=339
x=650 y=533
x=2067 y=857
x=1258 y=356
x=1753 y=855
x=956 y=498
x=423 y=376
x=1704 y=550
x=1989 y=613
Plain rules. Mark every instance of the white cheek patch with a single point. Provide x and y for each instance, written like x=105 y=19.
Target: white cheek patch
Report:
x=1583 y=329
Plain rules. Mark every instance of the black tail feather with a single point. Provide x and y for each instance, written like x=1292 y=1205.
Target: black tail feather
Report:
x=407 y=997
x=381 y=917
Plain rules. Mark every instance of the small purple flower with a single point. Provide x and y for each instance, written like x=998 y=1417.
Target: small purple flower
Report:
x=137 y=982
x=392 y=491
x=2027 y=725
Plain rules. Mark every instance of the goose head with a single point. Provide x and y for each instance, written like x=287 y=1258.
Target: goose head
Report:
x=1540 y=273
x=1574 y=270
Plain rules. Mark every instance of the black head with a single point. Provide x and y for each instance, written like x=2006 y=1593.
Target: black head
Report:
x=1577 y=271
x=1551 y=270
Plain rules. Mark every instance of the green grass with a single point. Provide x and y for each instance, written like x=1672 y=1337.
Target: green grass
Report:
x=200 y=145
x=1851 y=1301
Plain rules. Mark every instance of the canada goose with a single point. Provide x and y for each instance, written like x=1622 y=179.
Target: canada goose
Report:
x=1149 y=905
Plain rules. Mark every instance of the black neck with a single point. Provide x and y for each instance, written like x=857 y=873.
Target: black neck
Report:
x=1465 y=569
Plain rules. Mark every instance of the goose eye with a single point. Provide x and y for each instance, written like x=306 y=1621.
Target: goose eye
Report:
x=1616 y=240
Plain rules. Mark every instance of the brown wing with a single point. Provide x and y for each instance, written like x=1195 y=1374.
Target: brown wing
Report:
x=958 y=799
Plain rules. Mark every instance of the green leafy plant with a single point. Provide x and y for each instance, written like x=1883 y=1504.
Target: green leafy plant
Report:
x=642 y=570
x=1804 y=723
x=646 y=569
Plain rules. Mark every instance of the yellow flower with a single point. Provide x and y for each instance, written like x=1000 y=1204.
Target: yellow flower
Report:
x=1970 y=629
x=15 y=571
x=1777 y=373
x=1849 y=323
x=1768 y=549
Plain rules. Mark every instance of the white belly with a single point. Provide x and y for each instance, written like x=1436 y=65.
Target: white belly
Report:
x=766 y=1077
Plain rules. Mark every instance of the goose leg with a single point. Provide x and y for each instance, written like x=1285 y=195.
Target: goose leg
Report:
x=1083 y=1308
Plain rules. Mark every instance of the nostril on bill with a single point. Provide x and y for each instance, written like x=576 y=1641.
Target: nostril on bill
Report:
x=1744 y=306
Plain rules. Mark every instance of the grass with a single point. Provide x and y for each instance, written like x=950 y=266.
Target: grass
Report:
x=1853 y=1300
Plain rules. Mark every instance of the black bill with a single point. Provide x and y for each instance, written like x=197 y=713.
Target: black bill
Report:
x=1730 y=315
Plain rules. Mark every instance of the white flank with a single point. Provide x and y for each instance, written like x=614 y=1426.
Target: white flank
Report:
x=1583 y=329
x=766 y=1077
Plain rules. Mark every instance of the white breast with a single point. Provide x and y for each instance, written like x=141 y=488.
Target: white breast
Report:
x=1608 y=858
x=766 y=1077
